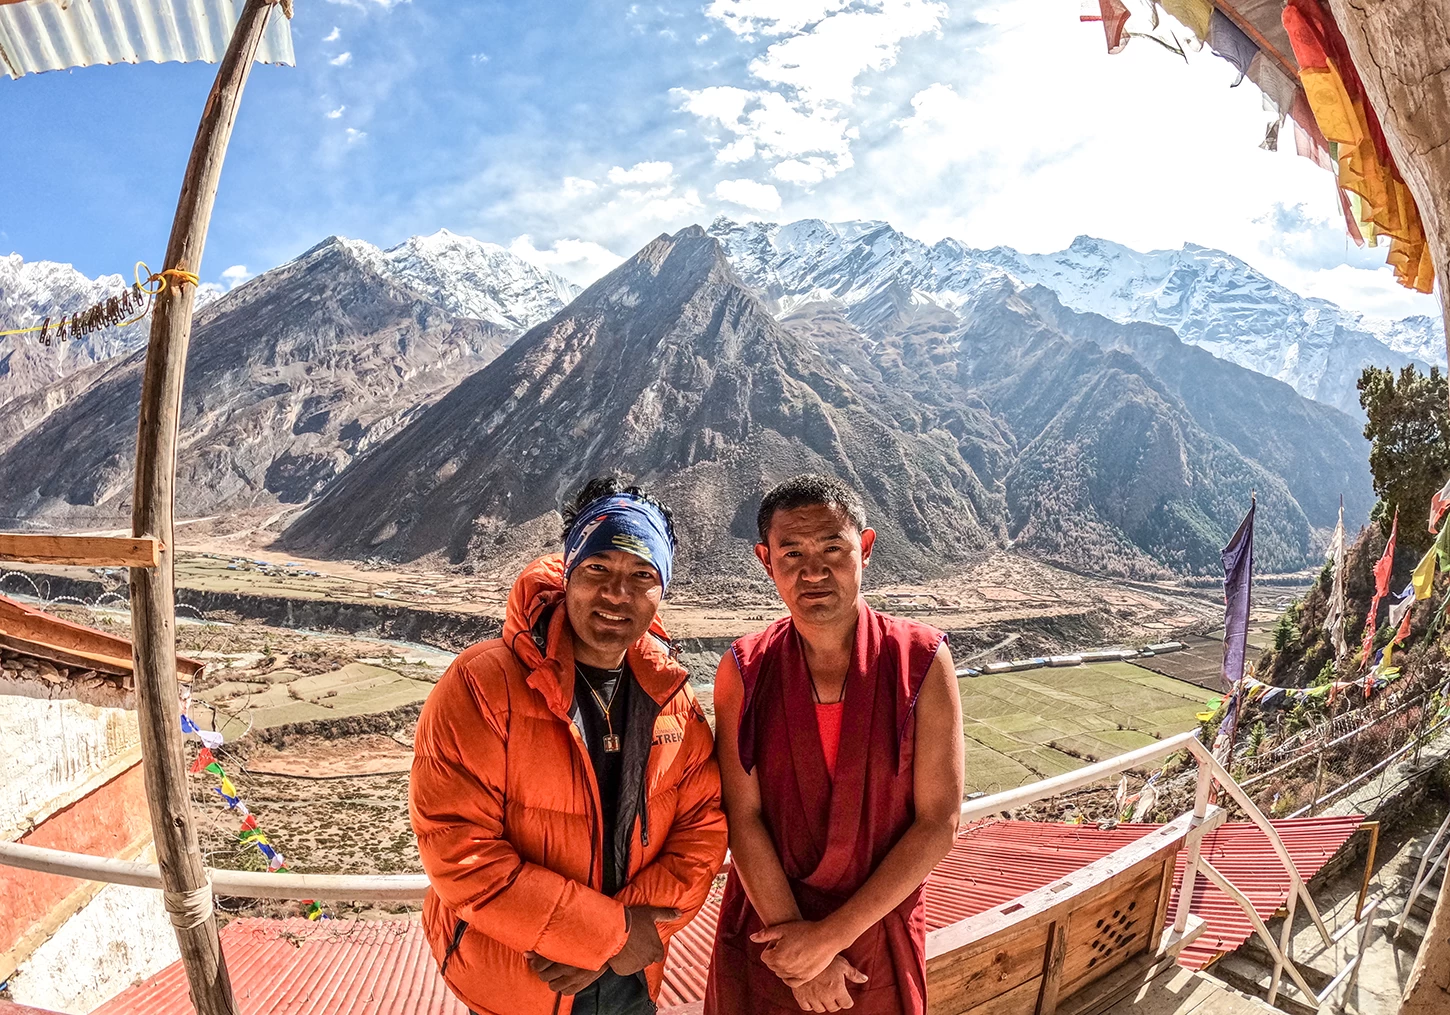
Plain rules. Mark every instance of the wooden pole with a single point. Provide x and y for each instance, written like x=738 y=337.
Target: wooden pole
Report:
x=187 y=892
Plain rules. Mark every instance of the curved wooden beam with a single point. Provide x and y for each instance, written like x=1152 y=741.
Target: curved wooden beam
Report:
x=153 y=602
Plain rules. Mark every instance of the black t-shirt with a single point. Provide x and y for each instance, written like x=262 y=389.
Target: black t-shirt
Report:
x=612 y=688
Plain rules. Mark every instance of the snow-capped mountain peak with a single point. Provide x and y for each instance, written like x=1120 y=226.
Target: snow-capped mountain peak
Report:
x=1212 y=299
x=477 y=279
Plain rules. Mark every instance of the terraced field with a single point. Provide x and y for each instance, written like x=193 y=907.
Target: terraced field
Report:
x=1025 y=726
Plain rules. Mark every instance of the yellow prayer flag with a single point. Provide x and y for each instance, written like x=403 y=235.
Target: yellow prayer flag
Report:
x=1195 y=14
x=1423 y=579
x=227 y=787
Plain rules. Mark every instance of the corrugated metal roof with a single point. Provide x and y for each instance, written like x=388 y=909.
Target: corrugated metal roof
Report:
x=996 y=862
x=328 y=967
x=42 y=35
x=344 y=967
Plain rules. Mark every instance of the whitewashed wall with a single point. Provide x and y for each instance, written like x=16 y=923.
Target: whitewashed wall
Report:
x=120 y=937
x=49 y=749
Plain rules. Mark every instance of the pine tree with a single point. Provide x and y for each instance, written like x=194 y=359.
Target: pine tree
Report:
x=1409 y=435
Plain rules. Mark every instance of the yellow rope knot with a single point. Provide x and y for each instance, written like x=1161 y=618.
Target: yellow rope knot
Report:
x=162 y=279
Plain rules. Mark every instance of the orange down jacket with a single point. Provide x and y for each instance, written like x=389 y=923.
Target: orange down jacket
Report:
x=506 y=808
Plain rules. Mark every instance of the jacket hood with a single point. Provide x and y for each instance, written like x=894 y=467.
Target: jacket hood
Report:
x=538 y=634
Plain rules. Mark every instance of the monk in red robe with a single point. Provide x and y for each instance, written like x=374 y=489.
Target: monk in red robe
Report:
x=839 y=733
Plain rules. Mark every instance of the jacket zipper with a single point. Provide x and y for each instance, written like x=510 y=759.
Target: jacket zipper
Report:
x=644 y=790
x=459 y=929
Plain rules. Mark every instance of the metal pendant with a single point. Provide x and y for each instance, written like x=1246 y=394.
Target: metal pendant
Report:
x=611 y=743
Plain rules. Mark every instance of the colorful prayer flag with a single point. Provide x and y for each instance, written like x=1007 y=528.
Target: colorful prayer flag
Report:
x=1114 y=16
x=1439 y=504
x=1334 y=615
x=1238 y=570
x=1382 y=570
x=214 y=769
x=1423 y=580
x=227 y=788
x=203 y=758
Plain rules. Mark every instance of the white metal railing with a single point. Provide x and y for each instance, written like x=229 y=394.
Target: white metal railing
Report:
x=411 y=887
x=243 y=884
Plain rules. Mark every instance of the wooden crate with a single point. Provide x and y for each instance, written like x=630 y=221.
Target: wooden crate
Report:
x=1022 y=957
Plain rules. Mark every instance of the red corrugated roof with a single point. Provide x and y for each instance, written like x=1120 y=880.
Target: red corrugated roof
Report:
x=994 y=862
x=345 y=967
x=300 y=967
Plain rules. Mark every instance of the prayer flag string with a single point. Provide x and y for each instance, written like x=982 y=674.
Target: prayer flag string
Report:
x=249 y=831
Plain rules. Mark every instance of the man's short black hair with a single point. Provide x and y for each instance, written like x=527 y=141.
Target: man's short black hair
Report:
x=603 y=486
x=805 y=490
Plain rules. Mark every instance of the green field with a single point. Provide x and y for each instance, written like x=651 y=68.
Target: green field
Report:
x=1021 y=727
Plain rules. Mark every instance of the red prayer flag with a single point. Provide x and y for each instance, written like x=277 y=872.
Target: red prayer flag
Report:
x=1114 y=17
x=249 y=823
x=203 y=759
x=1439 y=504
x=1382 y=570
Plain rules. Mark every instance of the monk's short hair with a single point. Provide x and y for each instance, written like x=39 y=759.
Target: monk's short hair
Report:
x=805 y=490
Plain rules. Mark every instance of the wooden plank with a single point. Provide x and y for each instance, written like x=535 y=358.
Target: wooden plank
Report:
x=961 y=980
x=1020 y=1000
x=1107 y=932
x=1160 y=912
x=46 y=636
x=1052 y=971
x=1174 y=992
x=87 y=551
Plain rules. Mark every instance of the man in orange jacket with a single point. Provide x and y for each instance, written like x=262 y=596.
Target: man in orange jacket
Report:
x=564 y=789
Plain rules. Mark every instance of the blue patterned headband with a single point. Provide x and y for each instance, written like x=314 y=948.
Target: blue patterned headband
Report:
x=621 y=521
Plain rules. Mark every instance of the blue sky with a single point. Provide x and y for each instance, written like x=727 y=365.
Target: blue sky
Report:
x=574 y=132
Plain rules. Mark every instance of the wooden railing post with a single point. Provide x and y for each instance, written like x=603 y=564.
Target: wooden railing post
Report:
x=187 y=893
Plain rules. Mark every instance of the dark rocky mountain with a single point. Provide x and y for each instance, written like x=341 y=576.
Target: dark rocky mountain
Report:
x=364 y=382
x=288 y=379
x=670 y=370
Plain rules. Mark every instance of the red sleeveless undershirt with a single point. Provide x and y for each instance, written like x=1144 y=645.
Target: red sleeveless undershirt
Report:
x=828 y=722
x=832 y=824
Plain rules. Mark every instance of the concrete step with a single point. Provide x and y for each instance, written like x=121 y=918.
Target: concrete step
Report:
x=1412 y=936
x=1424 y=903
x=1246 y=974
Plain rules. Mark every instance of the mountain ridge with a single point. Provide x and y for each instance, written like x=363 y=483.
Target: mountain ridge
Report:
x=1211 y=299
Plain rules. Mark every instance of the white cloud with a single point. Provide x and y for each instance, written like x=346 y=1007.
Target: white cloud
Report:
x=580 y=261
x=642 y=172
x=749 y=194
x=805 y=172
x=820 y=49
x=938 y=103
x=354 y=135
x=479 y=58
x=577 y=186
x=341 y=60
x=667 y=208
x=235 y=275
x=822 y=63
x=770 y=17
x=333 y=35
x=775 y=127
x=739 y=150
x=333 y=114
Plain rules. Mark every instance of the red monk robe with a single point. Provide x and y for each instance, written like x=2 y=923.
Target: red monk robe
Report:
x=829 y=837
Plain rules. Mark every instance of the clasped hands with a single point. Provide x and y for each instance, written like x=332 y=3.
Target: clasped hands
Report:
x=806 y=954
x=642 y=946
